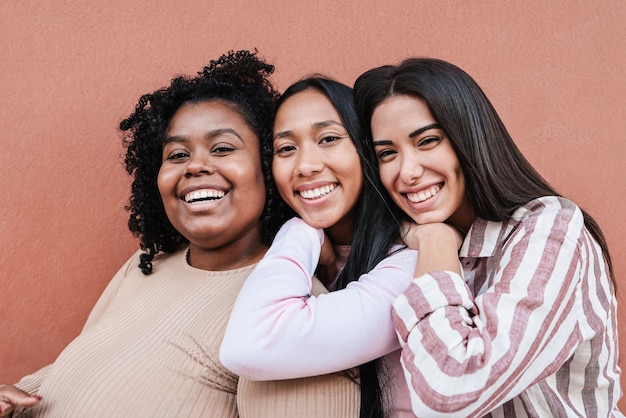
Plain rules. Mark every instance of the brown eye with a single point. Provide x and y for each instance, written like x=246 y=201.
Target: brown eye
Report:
x=222 y=149
x=329 y=139
x=384 y=154
x=177 y=155
x=285 y=150
x=429 y=141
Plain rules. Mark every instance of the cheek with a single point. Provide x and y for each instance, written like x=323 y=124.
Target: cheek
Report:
x=386 y=176
x=460 y=180
x=164 y=181
x=358 y=182
x=354 y=165
x=282 y=177
x=253 y=181
x=256 y=198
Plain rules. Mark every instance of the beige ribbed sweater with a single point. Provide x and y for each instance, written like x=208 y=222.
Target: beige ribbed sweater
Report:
x=150 y=349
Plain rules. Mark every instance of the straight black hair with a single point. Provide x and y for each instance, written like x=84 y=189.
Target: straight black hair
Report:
x=376 y=226
x=498 y=177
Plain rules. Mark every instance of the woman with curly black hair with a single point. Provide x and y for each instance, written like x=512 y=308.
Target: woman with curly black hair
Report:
x=200 y=206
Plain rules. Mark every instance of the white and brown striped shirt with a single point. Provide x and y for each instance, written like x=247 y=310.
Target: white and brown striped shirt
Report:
x=530 y=330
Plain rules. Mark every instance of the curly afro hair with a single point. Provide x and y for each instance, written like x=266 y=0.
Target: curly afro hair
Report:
x=239 y=79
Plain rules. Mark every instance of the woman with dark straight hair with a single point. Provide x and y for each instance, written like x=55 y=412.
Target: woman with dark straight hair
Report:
x=525 y=323
x=346 y=235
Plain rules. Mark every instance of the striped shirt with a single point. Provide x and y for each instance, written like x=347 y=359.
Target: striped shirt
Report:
x=529 y=330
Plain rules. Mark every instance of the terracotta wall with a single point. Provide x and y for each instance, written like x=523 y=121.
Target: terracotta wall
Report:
x=71 y=69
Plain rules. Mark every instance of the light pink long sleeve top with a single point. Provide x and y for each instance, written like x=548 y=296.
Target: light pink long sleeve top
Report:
x=277 y=330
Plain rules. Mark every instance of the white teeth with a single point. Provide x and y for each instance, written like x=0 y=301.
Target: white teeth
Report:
x=204 y=195
x=318 y=192
x=423 y=195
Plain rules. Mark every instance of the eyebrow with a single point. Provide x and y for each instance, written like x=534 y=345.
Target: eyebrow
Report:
x=208 y=135
x=316 y=125
x=378 y=142
x=424 y=129
x=325 y=123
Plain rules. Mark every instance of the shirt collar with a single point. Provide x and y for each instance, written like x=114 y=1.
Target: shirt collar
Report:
x=482 y=238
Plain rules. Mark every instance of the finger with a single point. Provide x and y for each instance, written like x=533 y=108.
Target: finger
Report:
x=12 y=396
x=5 y=409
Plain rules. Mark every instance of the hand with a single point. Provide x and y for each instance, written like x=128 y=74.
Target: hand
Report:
x=413 y=234
x=437 y=245
x=11 y=397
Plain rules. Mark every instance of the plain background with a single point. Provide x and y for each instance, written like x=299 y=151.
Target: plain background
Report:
x=70 y=70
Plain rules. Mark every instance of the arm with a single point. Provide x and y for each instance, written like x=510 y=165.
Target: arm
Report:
x=31 y=383
x=109 y=293
x=465 y=356
x=278 y=331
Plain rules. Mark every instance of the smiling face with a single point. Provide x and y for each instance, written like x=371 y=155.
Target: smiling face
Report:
x=417 y=163
x=316 y=166
x=210 y=179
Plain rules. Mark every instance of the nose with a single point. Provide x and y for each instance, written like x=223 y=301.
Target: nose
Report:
x=199 y=164
x=308 y=162
x=411 y=168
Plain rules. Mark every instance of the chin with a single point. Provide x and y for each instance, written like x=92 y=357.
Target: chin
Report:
x=316 y=223
x=319 y=225
x=423 y=220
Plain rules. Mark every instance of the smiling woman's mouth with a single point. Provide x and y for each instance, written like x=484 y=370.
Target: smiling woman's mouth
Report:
x=204 y=195
x=423 y=195
x=317 y=192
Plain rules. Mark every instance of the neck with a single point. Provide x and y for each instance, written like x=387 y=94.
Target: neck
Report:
x=342 y=232
x=227 y=257
x=463 y=218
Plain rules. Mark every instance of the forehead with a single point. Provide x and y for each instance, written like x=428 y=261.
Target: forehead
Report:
x=198 y=117
x=401 y=112
x=308 y=106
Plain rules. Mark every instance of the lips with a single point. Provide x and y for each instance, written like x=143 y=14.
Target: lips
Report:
x=204 y=195
x=316 y=193
x=423 y=195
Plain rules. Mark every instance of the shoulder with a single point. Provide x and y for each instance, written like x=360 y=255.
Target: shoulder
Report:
x=161 y=261
x=551 y=218
x=178 y=255
x=553 y=207
x=546 y=219
x=402 y=252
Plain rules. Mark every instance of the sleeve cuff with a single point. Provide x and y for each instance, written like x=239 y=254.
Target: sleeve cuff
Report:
x=426 y=294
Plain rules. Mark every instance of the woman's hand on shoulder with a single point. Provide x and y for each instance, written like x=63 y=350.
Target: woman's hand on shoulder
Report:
x=11 y=397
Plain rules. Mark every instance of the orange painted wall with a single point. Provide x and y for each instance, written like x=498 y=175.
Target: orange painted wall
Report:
x=71 y=69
